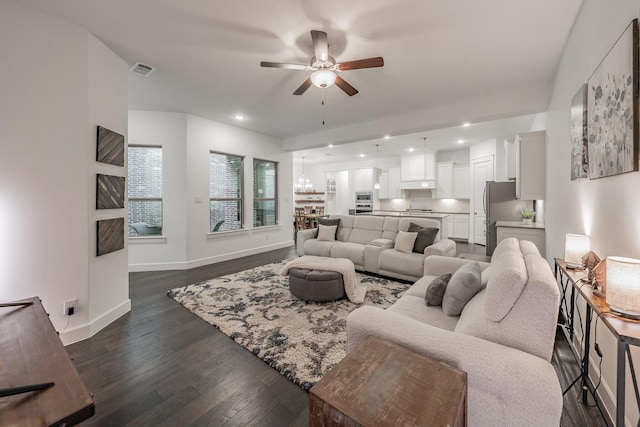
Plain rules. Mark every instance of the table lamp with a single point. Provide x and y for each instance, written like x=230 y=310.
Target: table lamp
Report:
x=623 y=286
x=575 y=246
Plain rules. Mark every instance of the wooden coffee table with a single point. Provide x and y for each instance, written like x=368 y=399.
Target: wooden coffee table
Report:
x=383 y=384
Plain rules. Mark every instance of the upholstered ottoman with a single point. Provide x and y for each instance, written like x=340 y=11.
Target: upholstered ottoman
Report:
x=316 y=285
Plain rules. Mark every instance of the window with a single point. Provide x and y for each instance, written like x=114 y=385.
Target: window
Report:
x=145 y=190
x=265 y=193
x=225 y=192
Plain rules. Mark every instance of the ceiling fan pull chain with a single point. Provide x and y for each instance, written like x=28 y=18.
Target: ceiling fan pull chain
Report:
x=322 y=106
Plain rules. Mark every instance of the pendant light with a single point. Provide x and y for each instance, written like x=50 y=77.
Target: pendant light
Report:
x=303 y=185
x=424 y=184
x=377 y=184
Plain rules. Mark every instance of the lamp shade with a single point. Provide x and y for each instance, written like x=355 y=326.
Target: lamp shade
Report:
x=575 y=246
x=323 y=78
x=623 y=286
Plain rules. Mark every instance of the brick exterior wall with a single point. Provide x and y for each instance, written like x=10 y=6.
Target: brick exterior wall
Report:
x=145 y=181
x=225 y=182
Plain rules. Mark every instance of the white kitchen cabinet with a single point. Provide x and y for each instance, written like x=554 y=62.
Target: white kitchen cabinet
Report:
x=364 y=179
x=461 y=182
x=412 y=168
x=394 y=183
x=535 y=235
x=444 y=180
x=460 y=226
x=447 y=227
x=383 y=180
x=530 y=165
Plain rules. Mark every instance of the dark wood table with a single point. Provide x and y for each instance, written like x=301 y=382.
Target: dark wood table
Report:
x=31 y=353
x=383 y=384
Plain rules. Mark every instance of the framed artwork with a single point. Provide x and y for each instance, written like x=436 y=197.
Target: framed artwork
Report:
x=110 y=147
x=110 y=235
x=612 y=107
x=579 y=146
x=109 y=192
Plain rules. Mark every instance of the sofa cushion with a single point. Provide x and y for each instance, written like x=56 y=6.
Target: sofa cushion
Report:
x=414 y=308
x=509 y=244
x=352 y=251
x=390 y=227
x=411 y=264
x=528 y=248
x=506 y=282
x=329 y=221
x=327 y=232
x=366 y=229
x=426 y=236
x=345 y=227
x=405 y=241
x=318 y=247
x=464 y=284
x=435 y=290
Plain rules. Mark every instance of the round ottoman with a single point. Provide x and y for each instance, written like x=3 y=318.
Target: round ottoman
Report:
x=316 y=285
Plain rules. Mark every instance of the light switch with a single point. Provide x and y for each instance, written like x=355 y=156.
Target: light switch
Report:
x=198 y=199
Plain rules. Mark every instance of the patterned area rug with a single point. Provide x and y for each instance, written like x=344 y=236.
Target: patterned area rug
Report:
x=302 y=340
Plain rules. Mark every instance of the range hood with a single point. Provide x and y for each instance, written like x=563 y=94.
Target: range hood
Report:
x=417 y=185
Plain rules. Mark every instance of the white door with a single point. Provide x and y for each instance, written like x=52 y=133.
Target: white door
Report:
x=482 y=172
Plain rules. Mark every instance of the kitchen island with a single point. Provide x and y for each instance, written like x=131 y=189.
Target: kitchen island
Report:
x=533 y=232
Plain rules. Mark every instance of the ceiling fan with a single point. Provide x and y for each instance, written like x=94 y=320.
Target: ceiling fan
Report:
x=324 y=67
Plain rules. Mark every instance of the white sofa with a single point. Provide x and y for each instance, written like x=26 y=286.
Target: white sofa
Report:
x=503 y=338
x=369 y=241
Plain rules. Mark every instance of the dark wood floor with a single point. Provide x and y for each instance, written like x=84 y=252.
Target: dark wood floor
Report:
x=160 y=365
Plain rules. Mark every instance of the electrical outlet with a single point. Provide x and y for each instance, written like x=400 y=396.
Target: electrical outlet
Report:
x=70 y=307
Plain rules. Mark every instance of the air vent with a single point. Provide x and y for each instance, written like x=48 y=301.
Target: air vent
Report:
x=142 y=69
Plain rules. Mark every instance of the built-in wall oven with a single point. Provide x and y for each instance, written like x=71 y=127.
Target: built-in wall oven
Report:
x=364 y=202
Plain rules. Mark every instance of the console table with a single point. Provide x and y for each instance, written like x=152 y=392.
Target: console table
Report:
x=626 y=332
x=383 y=384
x=38 y=383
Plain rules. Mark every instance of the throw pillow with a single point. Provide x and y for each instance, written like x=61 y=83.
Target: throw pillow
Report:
x=327 y=232
x=435 y=290
x=405 y=241
x=426 y=237
x=327 y=221
x=464 y=284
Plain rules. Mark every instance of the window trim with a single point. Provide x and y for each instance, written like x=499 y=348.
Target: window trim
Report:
x=275 y=199
x=241 y=199
x=146 y=199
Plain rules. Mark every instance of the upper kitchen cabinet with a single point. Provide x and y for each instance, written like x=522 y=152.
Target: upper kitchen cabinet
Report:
x=452 y=181
x=461 y=182
x=414 y=170
x=364 y=179
x=390 y=184
x=530 y=165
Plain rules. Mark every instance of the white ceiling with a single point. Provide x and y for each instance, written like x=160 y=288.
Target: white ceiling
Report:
x=481 y=59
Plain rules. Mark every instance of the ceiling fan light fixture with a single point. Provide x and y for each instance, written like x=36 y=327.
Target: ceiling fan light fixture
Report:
x=323 y=78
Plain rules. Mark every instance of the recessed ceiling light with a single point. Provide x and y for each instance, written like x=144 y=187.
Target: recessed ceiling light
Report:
x=361 y=155
x=411 y=149
x=330 y=145
x=387 y=137
x=460 y=141
x=466 y=124
x=238 y=117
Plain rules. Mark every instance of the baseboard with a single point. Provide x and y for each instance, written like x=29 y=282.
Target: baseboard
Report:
x=82 y=332
x=209 y=260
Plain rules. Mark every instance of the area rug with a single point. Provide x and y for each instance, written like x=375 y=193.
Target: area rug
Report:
x=300 y=339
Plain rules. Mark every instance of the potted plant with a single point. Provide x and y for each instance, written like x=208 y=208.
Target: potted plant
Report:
x=527 y=215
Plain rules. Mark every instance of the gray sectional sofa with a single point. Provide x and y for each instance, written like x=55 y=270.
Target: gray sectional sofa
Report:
x=503 y=337
x=369 y=241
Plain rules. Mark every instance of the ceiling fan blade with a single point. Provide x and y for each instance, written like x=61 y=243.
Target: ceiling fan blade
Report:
x=320 y=45
x=283 y=65
x=303 y=87
x=346 y=87
x=361 y=63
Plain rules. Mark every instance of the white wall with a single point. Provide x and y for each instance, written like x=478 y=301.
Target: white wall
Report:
x=168 y=130
x=52 y=79
x=187 y=141
x=605 y=209
x=206 y=135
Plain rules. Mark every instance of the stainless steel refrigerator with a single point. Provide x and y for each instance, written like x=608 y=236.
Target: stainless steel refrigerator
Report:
x=500 y=204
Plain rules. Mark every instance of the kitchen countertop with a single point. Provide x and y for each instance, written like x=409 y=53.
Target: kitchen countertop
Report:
x=410 y=214
x=520 y=224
